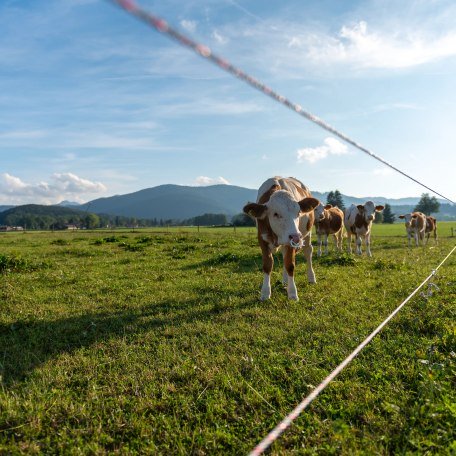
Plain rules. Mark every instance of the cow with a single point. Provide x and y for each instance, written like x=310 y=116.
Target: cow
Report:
x=329 y=220
x=431 y=227
x=284 y=214
x=415 y=225
x=358 y=222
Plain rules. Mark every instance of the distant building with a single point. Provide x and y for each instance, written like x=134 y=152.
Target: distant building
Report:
x=11 y=228
x=71 y=227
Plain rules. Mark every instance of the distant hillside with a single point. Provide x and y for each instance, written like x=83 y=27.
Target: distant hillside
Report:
x=176 y=202
x=66 y=203
x=37 y=210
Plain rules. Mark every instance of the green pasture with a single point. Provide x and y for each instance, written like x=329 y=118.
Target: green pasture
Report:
x=155 y=342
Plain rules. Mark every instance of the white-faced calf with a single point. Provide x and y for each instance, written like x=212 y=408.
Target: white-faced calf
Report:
x=415 y=225
x=328 y=220
x=358 y=222
x=418 y=225
x=284 y=216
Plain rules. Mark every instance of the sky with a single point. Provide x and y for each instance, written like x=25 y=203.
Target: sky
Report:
x=94 y=103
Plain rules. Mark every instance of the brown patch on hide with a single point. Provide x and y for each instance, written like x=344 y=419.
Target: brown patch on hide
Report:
x=265 y=197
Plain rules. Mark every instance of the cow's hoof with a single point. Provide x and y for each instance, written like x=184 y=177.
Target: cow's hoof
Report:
x=312 y=280
x=265 y=297
x=293 y=298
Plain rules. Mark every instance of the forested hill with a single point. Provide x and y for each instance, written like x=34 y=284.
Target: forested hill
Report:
x=35 y=216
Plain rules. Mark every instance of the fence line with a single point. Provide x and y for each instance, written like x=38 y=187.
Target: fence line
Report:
x=285 y=423
x=204 y=51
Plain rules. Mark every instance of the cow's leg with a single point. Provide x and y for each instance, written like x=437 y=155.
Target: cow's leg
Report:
x=289 y=264
x=358 y=244
x=422 y=237
x=284 y=271
x=416 y=238
x=368 y=242
x=319 y=244
x=268 y=262
x=307 y=250
x=326 y=243
x=409 y=236
x=435 y=234
x=349 y=241
x=339 y=239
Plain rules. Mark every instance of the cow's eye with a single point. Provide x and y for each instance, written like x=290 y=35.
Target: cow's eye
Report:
x=276 y=215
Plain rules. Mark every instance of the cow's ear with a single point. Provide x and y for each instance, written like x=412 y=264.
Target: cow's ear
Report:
x=308 y=204
x=256 y=210
x=379 y=208
x=414 y=216
x=360 y=207
x=328 y=206
x=401 y=216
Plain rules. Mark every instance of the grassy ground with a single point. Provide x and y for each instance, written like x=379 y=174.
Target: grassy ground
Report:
x=154 y=342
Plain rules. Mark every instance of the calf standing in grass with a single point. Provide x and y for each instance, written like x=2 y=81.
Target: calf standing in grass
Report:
x=431 y=227
x=358 y=222
x=415 y=225
x=284 y=214
x=328 y=220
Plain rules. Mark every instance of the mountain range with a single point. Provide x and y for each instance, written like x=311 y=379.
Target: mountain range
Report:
x=178 y=202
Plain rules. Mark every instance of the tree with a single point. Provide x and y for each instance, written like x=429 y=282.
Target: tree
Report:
x=91 y=221
x=388 y=216
x=335 y=198
x=242 y=220
x=378 y=217
x=427 y=204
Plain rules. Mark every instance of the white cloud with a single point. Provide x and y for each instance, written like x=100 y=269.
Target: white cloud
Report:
x=219 y=38
x=357 y=45
x=188 y=25
x=204 y=180
x=62 y=186
x=331 y=146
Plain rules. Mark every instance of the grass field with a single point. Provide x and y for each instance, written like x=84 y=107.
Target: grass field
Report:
x=154 y=342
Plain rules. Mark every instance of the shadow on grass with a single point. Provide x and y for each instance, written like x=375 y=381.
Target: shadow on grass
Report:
x=28 y=344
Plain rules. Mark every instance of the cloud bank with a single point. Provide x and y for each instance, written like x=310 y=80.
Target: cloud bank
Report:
x=62 y=186
x=331 y=146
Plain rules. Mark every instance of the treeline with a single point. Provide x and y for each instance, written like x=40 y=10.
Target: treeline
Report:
x=38 y=217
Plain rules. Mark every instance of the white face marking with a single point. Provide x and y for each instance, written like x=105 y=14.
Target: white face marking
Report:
x=408 y=220
x=369 y=211
x=283 y=215
x=320 y=212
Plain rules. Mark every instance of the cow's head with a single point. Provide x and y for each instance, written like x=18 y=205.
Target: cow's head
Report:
x=368 y=210
x=283 y=213
x=320 y=211
x=408 y=219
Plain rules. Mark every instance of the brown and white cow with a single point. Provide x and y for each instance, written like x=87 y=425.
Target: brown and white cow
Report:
x=415 y=225
x=328 y=220
x=284 y=216
x=431 y=227
x=358 y=222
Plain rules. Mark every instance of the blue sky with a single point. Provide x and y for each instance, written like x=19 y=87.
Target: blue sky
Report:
x=94 y=103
